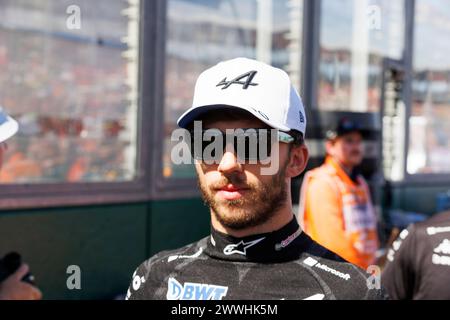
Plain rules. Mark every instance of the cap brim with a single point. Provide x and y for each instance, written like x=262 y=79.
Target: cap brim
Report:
x=8 y=129
x=195 y=112
x=332 y=134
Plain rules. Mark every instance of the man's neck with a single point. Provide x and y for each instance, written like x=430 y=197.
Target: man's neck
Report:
x=280 y=218
x=347 y=168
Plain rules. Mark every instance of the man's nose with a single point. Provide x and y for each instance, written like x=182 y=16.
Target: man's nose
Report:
x=229 y=162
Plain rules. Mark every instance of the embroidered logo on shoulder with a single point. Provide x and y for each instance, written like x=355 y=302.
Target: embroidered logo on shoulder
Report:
x=396 y=244
x=241 y=247
x=283 y=244
x=311 y=262
x=194 y=291
x=318 y=296
x=195 y=255
x=433 y=230
x=442 y=248
x=137 y=281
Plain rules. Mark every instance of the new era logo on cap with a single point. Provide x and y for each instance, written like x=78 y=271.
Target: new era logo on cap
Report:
x=264 y=91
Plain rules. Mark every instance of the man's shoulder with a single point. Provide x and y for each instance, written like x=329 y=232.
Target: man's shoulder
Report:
x=319 y=253
x=425 y=236
x=322 y=171
x=344 y=279
x=435 y=223
x=421 y=233
x=164 y=258
x=324 y=176
x=150 y=274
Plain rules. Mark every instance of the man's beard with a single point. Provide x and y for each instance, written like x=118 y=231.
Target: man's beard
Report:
x=257 y=206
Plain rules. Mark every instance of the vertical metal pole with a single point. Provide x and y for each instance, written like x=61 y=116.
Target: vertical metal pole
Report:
x=264 y=31
x=408 y=54
x=311 y=54
x=360 y=57
x=295 y=38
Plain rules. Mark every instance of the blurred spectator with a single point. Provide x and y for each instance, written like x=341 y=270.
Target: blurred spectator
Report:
x=66 y=89
x=335 y=205
x=13 y=288
x=418 y=264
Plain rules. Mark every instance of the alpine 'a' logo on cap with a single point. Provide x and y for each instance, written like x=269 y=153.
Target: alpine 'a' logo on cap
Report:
x=245 y=84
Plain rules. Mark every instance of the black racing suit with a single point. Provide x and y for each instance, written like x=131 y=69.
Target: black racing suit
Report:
x=285 y=264
x=419 y=261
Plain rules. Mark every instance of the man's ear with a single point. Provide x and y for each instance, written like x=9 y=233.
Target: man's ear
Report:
x=298 y=161
x=329 y=147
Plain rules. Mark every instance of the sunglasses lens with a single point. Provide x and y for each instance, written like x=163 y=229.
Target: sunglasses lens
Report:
x=265 y=144
x=253 y=145
x=206 y=145
x=248 y=144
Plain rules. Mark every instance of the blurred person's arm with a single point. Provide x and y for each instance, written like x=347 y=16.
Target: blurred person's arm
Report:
x=13 y=288
x=398 y=276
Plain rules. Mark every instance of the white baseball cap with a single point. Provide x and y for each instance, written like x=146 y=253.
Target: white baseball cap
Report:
x=8 y=126
x=264 y=91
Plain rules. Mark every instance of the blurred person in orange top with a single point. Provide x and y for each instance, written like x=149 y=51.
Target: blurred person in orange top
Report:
x=335 y=205
x=17 y=167
x=12 y=287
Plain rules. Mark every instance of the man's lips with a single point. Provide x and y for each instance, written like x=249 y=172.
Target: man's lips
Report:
x=231 y=192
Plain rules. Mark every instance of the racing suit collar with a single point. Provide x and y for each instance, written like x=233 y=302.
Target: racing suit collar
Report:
x=276 y=246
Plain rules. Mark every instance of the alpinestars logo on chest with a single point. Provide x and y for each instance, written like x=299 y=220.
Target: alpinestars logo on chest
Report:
x=240 y=247
x=245 y=84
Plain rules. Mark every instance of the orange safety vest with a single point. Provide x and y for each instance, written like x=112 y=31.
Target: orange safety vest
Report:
x=338 y=213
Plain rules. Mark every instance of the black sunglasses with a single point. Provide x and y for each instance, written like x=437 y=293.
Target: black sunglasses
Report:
x=249 y=144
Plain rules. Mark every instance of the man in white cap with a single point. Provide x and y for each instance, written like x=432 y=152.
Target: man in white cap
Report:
x=247 y=118
x=13 y=288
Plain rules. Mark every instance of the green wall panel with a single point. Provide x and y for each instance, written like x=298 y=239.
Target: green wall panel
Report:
x=417 y=199
x=106 y=242
x=176 y=223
